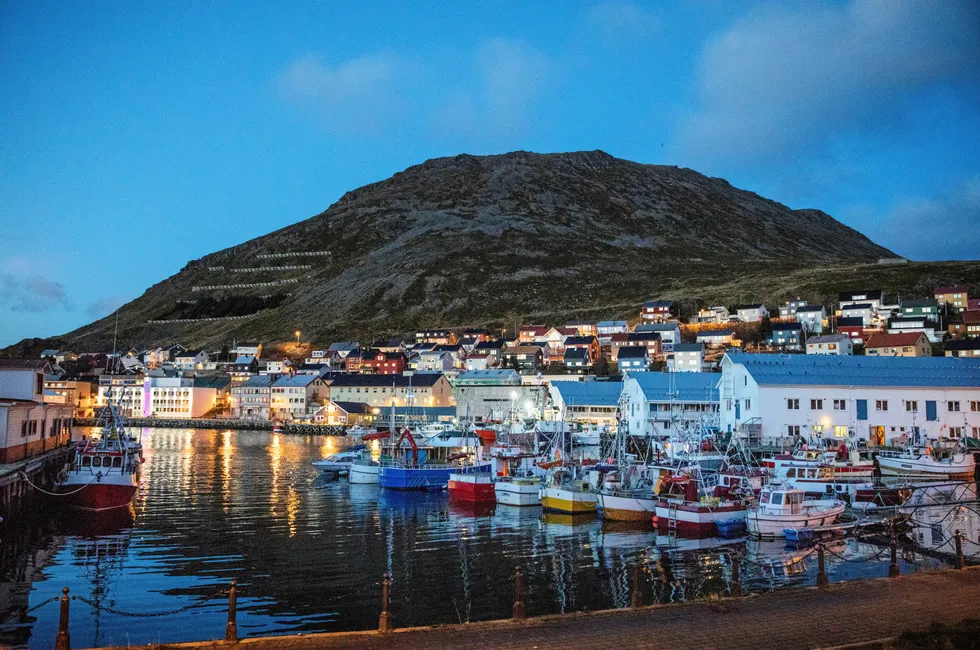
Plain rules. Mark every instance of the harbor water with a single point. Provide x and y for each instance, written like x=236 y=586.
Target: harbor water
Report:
x=308 y=554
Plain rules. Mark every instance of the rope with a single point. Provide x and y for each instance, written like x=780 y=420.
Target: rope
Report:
x=56 y=494
x=874 y=556
x=119 y=612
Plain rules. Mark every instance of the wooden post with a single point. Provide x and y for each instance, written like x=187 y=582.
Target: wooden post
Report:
x=63 y=640
x=384 y=621
x=893 y=571
x=636 y=597
x=518 y=612
x=821 y=568
x=231 y=630
x=736 y=577
x=960 y=560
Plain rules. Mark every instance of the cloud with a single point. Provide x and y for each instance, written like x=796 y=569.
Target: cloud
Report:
x=104 y=306
x=788 y=77
x=361 y=94
x=939 y=228
x=31 y=293
x=623 y=21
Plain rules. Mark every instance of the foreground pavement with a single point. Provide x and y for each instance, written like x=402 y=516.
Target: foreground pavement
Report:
x=841 y=614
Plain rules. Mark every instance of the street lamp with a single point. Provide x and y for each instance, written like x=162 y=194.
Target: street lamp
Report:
x=297 y=336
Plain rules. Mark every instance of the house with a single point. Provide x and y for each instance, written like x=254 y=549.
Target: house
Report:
x=382 y=363
x=969 y=348
x=434 y=361
x=752 y=313
x=633 y=358
x=716 y=338
x=389 y=346
x=76 y=392
x=777 y=400
x=908 y=344
x=532 y=333
x=956 y=298
x=244 y=367
x=788 y=311
x=524 y=357
x=248 y=350
x=654 y=403
x=28 y=425
x=669 y=331
x=687 y=357
x=967 y=324
x=717 y=314
x=589 y=343
x=927 y=308
x=482 y=359
x=294 y=397
x=788 y=336
x=852 y=327
x=840 y=344
x=345 y=414
x=318 y=356
x=191 y=360
x=439 y=337
x=586 y=402
x=973 y=304
x=340 y=349
x=427 y=389
x=866 y=311
x=577 y=360
x=649 y=340
x=656 y=310
x=125 y=392
x=871 y=297
x=496 y=395
x=583 y=327
x=276 y=367
x=179 y=398
x=811 y=317
x=250 y=400
x=914 y=324
x=606 y=328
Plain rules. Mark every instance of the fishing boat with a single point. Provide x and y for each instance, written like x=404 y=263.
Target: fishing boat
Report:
x=631 y=496
x=341 y=462
x=278 y=426
x=359 y=431
x=423 y=467
x=781 y=507
x=564 y=492
x=104 y=472
x=517 y=490
x=472 y=487
x=686 y=509
x=935 y=462
x=842 y=462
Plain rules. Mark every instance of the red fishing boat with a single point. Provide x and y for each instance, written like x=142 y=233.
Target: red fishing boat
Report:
x=104 y=472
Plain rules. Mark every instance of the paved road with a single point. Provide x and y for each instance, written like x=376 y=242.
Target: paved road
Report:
x=845 y=613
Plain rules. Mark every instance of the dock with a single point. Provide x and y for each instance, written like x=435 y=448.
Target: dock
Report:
x=17 y=478
x=841 y=614
x=222 y=423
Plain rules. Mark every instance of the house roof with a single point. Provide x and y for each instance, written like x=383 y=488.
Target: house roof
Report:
x=523 y=349
x=422 y=379
x=632 y=352
x=259 y=381
x=971 y=317
x=784 y=327
x=688 y=347
x=613 y=323
x=576 y=354
x=959 y=288
x=682 y=386
x=642 y=336
x=296 y=381
x=500 y=375
x=448 y=348
x=655 y=327
x=588 y=393
x=650 y=304
x=884 y=340
x=743 y=307
x=490 y=345
x=218 y=382
x=924 y=302
x=343 y=346
x=244 y=360
x=869 y=294
x=356 y=408
x=857 y=306
x=850 y=321
x=189 y=354
x=535 y=330
x=807 y=308
x=827 y=338
x=833 y=370
x=963 y=344
x=973 y=304
x=579 y=340
x=711 y=333
x=577 y=323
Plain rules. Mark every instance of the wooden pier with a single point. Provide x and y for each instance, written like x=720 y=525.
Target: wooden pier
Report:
x=16 y=479
x=222 y=423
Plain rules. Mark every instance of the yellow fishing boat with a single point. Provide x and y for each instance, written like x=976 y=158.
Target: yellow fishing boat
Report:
x=562 y=493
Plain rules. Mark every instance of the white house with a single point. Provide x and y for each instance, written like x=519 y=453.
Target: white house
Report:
x=838 y=344
x=751 y=313
x=863 y=310
x=250 y=400
x=177 y=398
x=191 y=360
x=778 y=399
x=481 y=359
x=29 y=427
x=248 y=350
x=497 y=395
x=716 y=314
x=788 y=311
x=606 y=328
x=811 y=317
x=669 y=331
x=635 y=358
x=433 y=361
x=293 y=397
x=716 y=338
x=870 y=297
x=653 y=402
x=688 y=357
x=124 y=392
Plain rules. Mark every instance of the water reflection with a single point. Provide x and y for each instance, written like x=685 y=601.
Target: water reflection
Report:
x=309 y=553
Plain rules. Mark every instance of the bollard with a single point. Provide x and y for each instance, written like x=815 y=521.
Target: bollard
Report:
x=63 y=640
x=821 y=571
x=893 y=571
x=736 y=579
x=518 y=595
x=231 y=630
x=960 y=560
x=384 y=621
x=636 y=597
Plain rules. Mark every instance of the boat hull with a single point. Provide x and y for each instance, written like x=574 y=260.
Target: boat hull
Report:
x=624 y=507
x=518 y=493
x=774 y=525
x=962 y=466
x=99 y=496
x=471 y=488
x=363 y=474
x=571 y=502
x=421 y=478
x=695 y=520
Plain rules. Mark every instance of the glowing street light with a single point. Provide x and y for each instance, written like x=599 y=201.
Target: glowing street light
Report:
x=297 y=336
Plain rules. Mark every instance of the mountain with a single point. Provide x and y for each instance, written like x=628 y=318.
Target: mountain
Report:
x=492 y=240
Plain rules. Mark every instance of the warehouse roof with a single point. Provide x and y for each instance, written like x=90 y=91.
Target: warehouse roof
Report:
x=682 y=386
x=589 y=393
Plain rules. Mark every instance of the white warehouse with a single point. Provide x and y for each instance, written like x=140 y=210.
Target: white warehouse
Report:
x=656 y=402
x=781 y=398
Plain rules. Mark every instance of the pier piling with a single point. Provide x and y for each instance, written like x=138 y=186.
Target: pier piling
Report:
x=231 y=630
x=960 y=561
x=63 y=640
x=518 y=613
x=636 y=597
x=821 y=569
x=384 y=621
x=893 y=571
x=736 y=579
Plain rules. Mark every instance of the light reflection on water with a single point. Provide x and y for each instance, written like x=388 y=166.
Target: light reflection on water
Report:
x=220 y=505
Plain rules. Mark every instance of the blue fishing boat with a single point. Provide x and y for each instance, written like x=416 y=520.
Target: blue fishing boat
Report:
x=424 y=467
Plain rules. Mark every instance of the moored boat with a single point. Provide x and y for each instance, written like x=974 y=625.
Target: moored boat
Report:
x=564 y=493
x=340 y=462
x=472 y=487
x=927 y=462
x=518 y=490
x=781 y=507
x=682 y=510
x=363 y=471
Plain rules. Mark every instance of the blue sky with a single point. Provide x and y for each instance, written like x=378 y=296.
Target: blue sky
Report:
x=137 y=136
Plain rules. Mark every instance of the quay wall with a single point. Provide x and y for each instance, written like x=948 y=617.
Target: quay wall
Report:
x=17 y=479
x=212 y=423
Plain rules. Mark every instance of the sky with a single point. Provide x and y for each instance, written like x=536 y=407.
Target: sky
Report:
x=137 y=136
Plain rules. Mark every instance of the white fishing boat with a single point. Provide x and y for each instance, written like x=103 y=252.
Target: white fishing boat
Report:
x=364 y=471
x=341 y=462
x=781 y=507
x=358 y=431
x=936 y=462
x=518 y=490
x=630 y=497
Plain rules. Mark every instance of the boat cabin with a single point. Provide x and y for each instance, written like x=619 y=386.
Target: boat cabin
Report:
x=781 y=501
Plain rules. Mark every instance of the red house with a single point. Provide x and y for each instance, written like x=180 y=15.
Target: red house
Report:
x=382 y=363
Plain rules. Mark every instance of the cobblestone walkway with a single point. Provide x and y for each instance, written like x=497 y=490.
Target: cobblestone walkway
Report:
x=845 y=613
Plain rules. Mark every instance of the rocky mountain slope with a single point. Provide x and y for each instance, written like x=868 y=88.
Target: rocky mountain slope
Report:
x=490 y=240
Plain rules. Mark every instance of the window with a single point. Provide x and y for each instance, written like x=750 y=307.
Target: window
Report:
x=975 y=406
x=748 y=404
x=23 y=429
x=881 y=405
x=793 y=404
x=840 y=404
x=956 y=432
x=953 y=406
x=817 y=429
x=840 y=431
x=816 y=405
x=793 y=429
x=911 y=406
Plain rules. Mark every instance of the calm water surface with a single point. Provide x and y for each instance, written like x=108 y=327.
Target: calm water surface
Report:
x=308 y=554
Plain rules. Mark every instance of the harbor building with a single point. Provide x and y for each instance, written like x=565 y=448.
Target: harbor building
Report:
x=497 y=394
x=423 y=389
x=655 y=402
x=779 y=399
x=28 y=426
x=586 y=402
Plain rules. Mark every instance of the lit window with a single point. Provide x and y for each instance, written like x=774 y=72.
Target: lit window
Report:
x=881 y=405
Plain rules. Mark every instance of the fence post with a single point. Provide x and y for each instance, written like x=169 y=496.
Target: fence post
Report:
x=231 y=630
x=821 y=570
x=63 y=640
x=636 y=597
x=893 y=570
x=736 y=575
x=384 y=621
x=960 y=560
x=518 y=613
